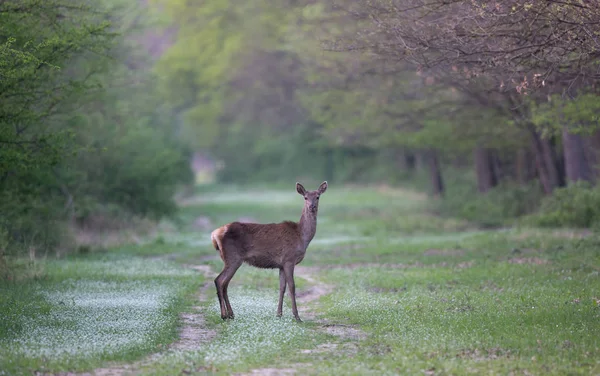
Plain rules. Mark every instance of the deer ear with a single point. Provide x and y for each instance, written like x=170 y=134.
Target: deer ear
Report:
x=300 y=189
x=323 y=187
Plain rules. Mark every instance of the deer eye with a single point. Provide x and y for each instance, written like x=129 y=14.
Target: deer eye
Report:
x=317 y=197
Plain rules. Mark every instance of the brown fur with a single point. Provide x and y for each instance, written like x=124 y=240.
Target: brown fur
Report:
x=273 y=245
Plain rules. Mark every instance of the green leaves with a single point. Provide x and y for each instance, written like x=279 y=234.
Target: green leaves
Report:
x=81 y=125
x=36 y=84
x=580 y=114
x=217 y=43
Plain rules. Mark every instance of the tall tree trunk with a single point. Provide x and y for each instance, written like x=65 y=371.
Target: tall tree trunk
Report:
x=555 y=158
x=484 y=168
x=576 y=163
x=525 y=166
x=437 y=182
x=410 y=162
x=406 y=160
x=593 y=154
x=547 y=168
x=497 y=167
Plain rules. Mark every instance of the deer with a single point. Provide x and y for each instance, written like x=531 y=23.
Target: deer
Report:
x=268 y=246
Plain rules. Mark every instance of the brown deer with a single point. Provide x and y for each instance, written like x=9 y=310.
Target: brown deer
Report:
x=274 y=245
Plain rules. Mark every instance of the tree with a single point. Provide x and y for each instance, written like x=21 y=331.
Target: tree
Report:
x=80 y=130
x=34 y=92
x=514 y=48
x=233 y=78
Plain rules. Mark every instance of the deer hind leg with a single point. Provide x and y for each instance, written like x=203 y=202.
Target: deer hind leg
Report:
x=281 y=292
x=220 y=297
x=222 y=282
x=226 y=286
x=289 y=276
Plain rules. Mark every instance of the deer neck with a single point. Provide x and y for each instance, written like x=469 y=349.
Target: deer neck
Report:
x=307 y=225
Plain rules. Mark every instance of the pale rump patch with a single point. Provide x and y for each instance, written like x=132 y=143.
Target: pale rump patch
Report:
x=217 y=238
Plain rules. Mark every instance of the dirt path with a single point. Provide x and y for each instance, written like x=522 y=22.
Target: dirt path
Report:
x=315 y=292
x=342 y=331
x=194 y=333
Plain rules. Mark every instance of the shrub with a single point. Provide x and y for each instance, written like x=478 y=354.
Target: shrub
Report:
x=498 y=207
x=577 y=205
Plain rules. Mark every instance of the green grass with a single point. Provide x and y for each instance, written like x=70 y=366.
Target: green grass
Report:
x=256 y=337
x=487 y=317
x=81 y=312
x=412 y=293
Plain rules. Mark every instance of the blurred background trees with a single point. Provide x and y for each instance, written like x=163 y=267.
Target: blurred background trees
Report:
x=84 y=137
x=491 y=106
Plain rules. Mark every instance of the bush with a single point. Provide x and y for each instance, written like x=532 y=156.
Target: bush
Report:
x=498 y=207
x=577 y=205
x=140 y=172
x=87 y=142
x=32 y=213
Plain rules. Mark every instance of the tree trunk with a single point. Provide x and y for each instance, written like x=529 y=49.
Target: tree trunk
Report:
x=406 y=160
x=593 y=155
x=576 y=163
x=555 y=158
x=547 y=168
x=410 y=162
x=525 y=169
x=437 y=182
x=484 y=168
x=497 y=167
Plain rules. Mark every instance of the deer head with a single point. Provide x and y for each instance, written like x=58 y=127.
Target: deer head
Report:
x=311 y=198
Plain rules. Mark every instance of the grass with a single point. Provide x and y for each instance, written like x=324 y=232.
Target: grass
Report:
x=411 y=294
x=521 y=310
x=254 y=338
x=84 y=311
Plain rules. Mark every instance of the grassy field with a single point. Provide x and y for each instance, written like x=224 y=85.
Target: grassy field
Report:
x=385 y=288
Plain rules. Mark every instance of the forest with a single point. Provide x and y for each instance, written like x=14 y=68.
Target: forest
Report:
x=492 y=107
x=455 y=135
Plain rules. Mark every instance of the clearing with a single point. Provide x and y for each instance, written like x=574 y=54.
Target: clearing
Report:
x=385 y=288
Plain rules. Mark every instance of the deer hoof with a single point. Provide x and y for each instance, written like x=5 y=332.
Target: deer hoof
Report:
x=298 y=319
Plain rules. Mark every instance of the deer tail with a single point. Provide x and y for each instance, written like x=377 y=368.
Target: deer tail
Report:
x=217 y=236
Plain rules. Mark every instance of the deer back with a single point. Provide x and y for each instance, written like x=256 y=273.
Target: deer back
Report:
x=264 y=245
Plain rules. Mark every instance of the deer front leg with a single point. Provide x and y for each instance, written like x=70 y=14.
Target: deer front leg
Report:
x=289 y=276
x=281 y=292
